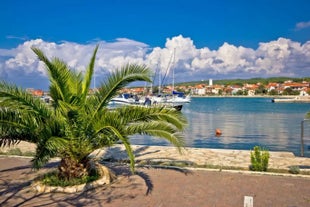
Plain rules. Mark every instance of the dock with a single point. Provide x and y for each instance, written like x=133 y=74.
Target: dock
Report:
x=296 y=99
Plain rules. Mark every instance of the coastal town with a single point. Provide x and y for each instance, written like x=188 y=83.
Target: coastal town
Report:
x=287 y=88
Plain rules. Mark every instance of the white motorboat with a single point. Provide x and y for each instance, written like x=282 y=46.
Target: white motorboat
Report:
x=178 y=98
x=125 y=99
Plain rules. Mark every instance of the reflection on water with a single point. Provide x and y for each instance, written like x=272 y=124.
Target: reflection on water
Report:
x=244 y=122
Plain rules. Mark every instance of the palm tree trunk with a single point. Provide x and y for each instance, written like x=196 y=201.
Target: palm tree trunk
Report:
x=70 y=168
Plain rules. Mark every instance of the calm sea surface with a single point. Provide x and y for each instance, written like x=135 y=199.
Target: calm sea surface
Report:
x=245 y=123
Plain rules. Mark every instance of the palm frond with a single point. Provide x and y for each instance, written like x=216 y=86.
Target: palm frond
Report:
x=158 y=129
x=21 y=115
x=168 y=115
x=118 y=80
x=62 y=80
x=127 y=145
x=16 y=98
x=57 y=72
x=102 y=125
x=89 y=74
x=46 y=149
x=130 y=152
x=24 y=126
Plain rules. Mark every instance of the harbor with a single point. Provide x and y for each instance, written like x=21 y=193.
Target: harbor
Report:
x=244 y=123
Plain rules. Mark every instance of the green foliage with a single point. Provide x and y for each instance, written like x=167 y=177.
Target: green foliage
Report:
x=52 y=179
x=239 y=93
x=15 y=151
x=259 y=159
x=294 y=170
x=290 y=91
x=28 y=154
x=273 y=92
x=261 y=90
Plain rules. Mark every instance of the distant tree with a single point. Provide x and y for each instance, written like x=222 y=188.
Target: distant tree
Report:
x=180 y=90
x=239 y=93
x=261 y=90
x=290 y=91
x=220 y=92
x=287 y=91
x=273 y=92
x=245 y=92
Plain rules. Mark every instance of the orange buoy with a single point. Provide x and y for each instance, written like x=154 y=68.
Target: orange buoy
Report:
x=218 y=132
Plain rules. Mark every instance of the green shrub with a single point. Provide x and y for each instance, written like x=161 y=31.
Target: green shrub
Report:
x=15 y=151
x=29 y=154
x=52 y=179
x=294 y=170
x=259 y=159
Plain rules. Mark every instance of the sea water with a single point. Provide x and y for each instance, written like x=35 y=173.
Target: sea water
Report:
x=244 y=123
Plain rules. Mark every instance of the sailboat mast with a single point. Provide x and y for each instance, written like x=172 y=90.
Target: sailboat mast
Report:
x=173 y=70
x=159 y=80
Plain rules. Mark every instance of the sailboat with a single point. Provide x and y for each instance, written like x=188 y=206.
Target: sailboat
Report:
x=175 y=98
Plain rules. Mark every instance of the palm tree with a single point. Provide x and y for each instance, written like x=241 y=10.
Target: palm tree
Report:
x=76 y=124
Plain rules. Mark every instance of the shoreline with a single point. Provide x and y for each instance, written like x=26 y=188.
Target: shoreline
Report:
x=274 y=99
x=242 y=96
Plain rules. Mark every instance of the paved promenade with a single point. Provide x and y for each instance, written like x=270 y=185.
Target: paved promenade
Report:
x=173 y=187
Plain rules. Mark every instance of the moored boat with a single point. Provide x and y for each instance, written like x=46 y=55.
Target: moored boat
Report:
x=125 y=99
x=130 y=99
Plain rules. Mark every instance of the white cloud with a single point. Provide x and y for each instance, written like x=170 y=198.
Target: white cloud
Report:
x=302 y=25
x=281 y=57
x=16 y=37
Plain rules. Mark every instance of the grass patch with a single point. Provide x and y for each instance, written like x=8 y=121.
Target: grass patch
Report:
x=52 y=179
x=304 y=172
x=272 y=170
x=18 y=152
x=289 y=171
x=15 y=151
x=220 y=167
x=175 y=163
x=28 y=154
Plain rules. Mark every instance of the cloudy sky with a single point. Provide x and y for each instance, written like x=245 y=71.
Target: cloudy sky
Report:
x=199 y=39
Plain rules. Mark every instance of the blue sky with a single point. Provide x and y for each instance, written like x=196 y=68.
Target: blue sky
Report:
x=213 y=39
